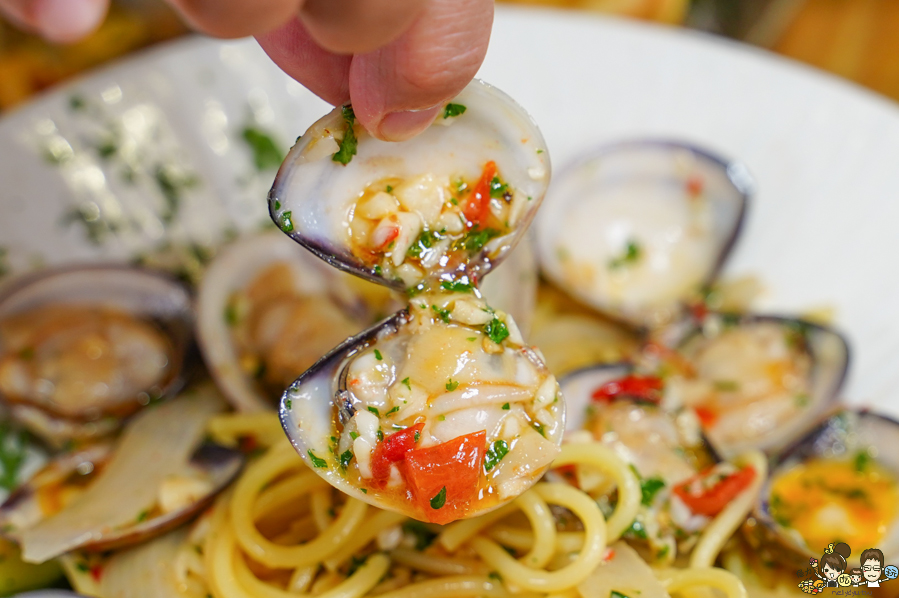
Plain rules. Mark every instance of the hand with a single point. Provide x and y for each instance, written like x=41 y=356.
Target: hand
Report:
x=398 y=61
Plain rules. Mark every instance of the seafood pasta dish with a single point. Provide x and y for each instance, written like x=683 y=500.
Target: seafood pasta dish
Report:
x=400 y=391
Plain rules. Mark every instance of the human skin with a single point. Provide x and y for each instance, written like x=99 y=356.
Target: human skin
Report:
x=397 y=61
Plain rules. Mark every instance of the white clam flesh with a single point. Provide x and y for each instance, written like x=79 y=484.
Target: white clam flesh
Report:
x=442 y=411
x=266 y=312
x=82 y=348
x=636 y=229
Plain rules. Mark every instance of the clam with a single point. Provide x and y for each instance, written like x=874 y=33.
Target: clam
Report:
x=440 y=411
x=478 y=421
x=636 y=229
x=840 y=481
x=759 y=381
x=449 y=203
x=82 y=348
x=77 y=500
x=267 y=311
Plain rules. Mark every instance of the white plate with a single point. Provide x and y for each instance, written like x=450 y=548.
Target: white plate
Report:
x=822 y=230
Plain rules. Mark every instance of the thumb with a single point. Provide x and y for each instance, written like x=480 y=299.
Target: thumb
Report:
x=60 y=21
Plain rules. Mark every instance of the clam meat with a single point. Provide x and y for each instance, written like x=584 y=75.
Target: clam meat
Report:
x=441 y=411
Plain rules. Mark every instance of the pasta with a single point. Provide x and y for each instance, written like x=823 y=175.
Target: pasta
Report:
x=282 y=532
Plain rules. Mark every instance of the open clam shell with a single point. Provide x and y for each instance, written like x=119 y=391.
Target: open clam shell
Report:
x=83 y=347
x=425 y=370
x=99 y=498
x=636 y=228
x=267 y=311
x=859 y=439
x=761 y=381
x=414 y=192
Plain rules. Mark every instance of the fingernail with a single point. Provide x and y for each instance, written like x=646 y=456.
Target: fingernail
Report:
x=399 y=126
x=66 y=21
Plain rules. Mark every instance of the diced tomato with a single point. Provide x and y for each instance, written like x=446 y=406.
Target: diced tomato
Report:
x=711 y=501
x=477 y=206
x=569 y=472
x=96 y=572
x=644 y=388
x=392 y=450
x=454 y=466
x=695 y=185
x=707 y=416
x=699 y=311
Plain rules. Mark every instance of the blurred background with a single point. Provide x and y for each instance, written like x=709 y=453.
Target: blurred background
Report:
x=855 y=39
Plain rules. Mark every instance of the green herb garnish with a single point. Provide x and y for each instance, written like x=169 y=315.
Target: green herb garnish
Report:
x=506 y=407
x=12 y=455
x=285 y=221
x=316 y=461
x=407 y=383
x=630 y=256
x=497 y=330
x=861 y=461
x=649 y=488
x=392 y=411
x=378 y=355
x=495 y=454
x=288 y=403
x=265 y=151
x=345 y=458
x=475 y=239
x=438 y=501
x=452 y=110
x=451 y=386
x=424 y=537
x=498 y=188
x=443 y=313
x=354 y=435
x=348 y=145
x=374 y=410
x=456 y=287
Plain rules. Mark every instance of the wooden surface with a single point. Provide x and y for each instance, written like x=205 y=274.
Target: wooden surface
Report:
x=857 y=39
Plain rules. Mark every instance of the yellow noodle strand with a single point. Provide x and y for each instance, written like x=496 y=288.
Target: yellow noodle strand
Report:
x=523 y=539
x=286 y=492
x=732 y=516
x=454 y=587
x=456 y=534
x=544 y=526
x=603 y=458
x=681 y=580
x=367 y=533
x=321 y=505
x=553 y=581
x=436 y=564
x=228 y=428
x=266 y=552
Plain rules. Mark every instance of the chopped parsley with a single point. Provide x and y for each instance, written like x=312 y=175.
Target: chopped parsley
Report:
x=861 y=461
x=498 y=188
x=475 y=239
x=316 y=461
x=663 y=552
x=380 y=434
x=77 y=102
x=452 y=110
x=392 y=411
x=630 y=256
x=439 y=500
x=349 y=143
x=649 y=488
x=407 y=383
x=614 y=594
x=288 y=403
x=495 y=454
x=506 y=406
x=374 y=410
x=417 y=436
x=443 y=313
x=364 y=490
x=12 y=455
x=424 y=241
x=389 y=188
x=456 y=287
x=285 y=221
x=354 y=435
x=497 y=330
x=424 y=537
x=540 y=429
x=265 y=151
x=413 y=291
x=801 y=400
x=172 y=183
x=451 y=386
x=636 y=530
x=142 y=516
x=378 y=355
x=345 y=458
